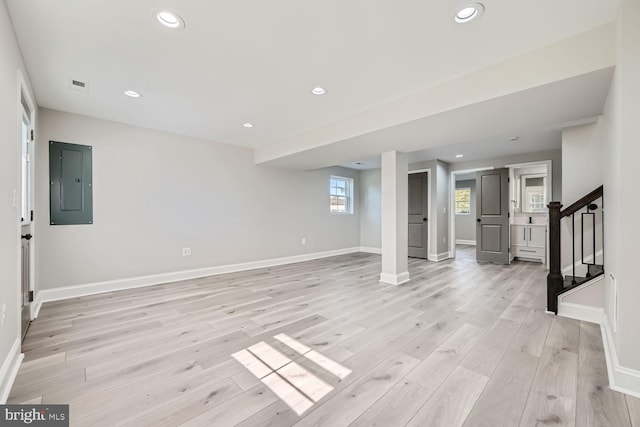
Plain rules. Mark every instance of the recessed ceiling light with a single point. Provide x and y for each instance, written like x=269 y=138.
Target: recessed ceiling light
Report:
x=459 y=156
x=132 y=93
x=469 y=12
x=169 y=19
x=247 y=125
x=514 y=138
x=318 y=90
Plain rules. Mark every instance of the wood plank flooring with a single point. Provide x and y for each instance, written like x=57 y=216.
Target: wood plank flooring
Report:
x=461 y=344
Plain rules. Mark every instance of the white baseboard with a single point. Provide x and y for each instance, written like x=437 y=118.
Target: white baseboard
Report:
x=9 y=370
x=440 y=257
x=158 y=279
x=394 y=279
x=465 y=242
x=370 y=250
x=36 y=305
x=580 y=312
x=621 y=379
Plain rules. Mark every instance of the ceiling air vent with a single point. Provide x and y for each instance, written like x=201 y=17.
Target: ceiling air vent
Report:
x=78 y=85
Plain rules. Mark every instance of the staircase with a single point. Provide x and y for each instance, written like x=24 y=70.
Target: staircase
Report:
x=576 y=245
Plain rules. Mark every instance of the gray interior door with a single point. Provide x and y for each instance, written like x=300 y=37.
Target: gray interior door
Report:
x=418 y=229
x=492 y=207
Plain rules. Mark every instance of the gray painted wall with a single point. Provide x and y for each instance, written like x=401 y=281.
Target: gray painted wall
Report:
x=156 y=193
x=10 y=62
x=370 y=209
x=466 y=224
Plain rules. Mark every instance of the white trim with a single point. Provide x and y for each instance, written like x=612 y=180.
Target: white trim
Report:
x=428 y=170
x=36 y=305
x=585 y=285
x=582 y=312
x=370 y=250
x=621 y=379
x=9 y=370
x=395 y=279
x=527 y=164
x=440 y=257
x=66 y=292
x=466 y=171
x=465 y=242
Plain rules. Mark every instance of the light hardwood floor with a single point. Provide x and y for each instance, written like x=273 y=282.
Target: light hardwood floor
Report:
x=462 y=344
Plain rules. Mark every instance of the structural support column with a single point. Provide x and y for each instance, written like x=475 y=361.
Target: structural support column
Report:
x=395 y=210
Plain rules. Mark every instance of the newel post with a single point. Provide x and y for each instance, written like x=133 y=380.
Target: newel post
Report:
x=554 y=278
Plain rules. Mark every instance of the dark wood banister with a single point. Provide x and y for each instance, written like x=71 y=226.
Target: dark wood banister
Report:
x=555 y=279
x=584 y=201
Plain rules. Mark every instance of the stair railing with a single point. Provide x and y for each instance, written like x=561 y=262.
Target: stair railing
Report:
x=587 y=207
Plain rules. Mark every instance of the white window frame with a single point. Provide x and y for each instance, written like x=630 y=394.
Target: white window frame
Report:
x=348 y=196
x=455 y=203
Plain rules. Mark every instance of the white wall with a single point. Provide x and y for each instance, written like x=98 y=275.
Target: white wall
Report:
x=582 y=160
x=466 y=224
x=370 y=209
x=155 y=193
x=621 y=155
x=10 y=63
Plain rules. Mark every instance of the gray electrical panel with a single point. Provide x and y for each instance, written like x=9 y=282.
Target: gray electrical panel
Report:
x=70 y=184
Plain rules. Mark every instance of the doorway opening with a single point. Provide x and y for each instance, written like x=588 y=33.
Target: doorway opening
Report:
x=531 y=190
x=462 y=211
x=26 y=113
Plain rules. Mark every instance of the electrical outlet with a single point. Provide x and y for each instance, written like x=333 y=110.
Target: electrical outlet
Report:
x=303 y=241
x=4 y=314
x=186 y=251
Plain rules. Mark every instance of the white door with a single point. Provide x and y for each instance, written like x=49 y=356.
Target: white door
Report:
x=26 y=215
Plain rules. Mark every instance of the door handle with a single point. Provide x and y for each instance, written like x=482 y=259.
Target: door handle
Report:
x=27 y=236
x=424 y=219
x=478 y=219
x=530 y=233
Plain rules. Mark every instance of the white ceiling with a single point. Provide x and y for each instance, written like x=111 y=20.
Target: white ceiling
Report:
x=256 y=61
x=478 y=131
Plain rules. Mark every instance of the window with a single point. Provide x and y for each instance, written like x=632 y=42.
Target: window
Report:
x=534 y=189
x=463 y=201
x=340 y=195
